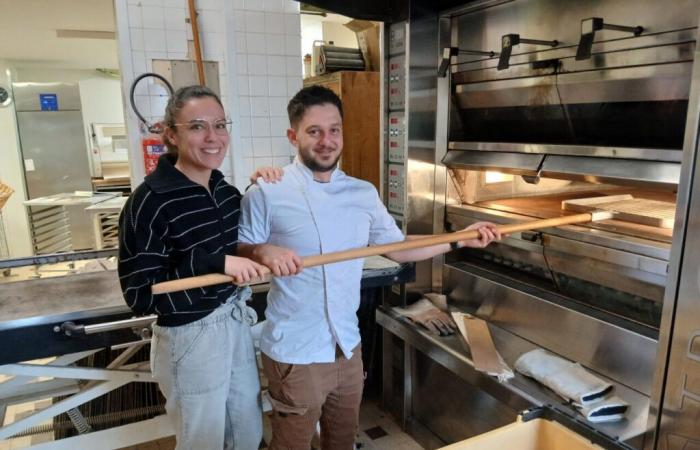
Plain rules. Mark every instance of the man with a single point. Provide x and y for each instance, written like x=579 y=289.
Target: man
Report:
x=311 y=342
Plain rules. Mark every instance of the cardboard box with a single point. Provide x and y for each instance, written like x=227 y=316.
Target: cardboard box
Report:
x=536 y=434
x=367 y=33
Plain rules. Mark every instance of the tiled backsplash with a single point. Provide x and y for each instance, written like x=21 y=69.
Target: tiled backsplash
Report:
x=257 y=43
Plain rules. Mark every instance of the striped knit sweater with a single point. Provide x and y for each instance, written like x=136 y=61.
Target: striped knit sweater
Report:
x=173 y=228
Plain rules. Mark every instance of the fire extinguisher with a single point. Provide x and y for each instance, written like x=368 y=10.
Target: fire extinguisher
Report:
x=152 y=145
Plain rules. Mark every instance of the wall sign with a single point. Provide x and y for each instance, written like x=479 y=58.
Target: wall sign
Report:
x=48 y=102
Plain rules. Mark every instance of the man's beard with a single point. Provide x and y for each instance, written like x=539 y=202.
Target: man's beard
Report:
x=314 y=166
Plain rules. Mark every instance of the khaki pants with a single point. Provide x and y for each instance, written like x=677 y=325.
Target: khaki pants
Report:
x=303 y=394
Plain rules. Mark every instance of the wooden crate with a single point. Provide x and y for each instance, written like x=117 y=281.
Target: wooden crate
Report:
x=5 y=193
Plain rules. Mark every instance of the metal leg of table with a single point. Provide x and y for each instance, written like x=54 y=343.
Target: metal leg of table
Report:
x=24 y=387
x=409 y=370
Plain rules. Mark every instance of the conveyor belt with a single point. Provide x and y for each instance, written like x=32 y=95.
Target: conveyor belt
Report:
x=31 y=310
x=59 y=295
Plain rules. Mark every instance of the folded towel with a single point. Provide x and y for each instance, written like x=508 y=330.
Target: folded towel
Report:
x=607 y=410
x=568 y=379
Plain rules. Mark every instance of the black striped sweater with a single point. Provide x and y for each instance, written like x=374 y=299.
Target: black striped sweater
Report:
x=173 y=228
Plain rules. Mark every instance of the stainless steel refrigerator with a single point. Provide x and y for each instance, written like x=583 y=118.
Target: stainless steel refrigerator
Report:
x=54 y=150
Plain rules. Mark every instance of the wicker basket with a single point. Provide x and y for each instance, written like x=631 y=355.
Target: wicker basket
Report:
x=5 y=193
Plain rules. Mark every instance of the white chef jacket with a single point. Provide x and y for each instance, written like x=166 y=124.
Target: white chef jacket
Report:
x=310 y=313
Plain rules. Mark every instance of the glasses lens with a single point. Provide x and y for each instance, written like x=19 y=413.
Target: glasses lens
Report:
x=197 y=126
x=222 y=127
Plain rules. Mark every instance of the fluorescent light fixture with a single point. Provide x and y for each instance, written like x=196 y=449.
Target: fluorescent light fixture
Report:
x=85 y=34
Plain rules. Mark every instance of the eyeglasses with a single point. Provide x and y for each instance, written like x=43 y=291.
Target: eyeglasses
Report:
x=200 y=126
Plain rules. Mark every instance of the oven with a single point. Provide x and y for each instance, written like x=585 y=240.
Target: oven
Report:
x=538 y=106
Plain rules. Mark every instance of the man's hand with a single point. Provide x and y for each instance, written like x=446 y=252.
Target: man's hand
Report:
x=487 y=233
x=268 y=174
x=243 y=270
x=281 y=261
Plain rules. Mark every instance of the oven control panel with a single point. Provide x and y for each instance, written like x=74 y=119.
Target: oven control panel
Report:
x=397 y=82
x=397 y=39
x=397 y=137
x=397 y=188
x=396 y=123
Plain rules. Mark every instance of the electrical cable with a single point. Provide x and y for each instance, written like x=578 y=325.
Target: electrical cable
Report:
x=549 y=267
x=564 y=107
x=153 y=128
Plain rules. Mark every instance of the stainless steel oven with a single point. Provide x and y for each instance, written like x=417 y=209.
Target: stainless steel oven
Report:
x=512 y=108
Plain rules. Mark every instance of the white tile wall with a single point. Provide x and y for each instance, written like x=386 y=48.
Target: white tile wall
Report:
x=278 y=87
x=257 y=42
x=175 y=18
x=260 y=106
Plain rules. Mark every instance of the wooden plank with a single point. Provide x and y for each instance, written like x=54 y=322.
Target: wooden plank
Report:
x=627 y=208
x=593 y=202
x=550 y=205
x=484 y=353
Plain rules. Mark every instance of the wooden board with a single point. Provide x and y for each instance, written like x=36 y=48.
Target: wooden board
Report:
x=478 y=338
x=625 y=207
x=550 y=205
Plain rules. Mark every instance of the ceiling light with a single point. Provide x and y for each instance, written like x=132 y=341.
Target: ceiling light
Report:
x=85 y=34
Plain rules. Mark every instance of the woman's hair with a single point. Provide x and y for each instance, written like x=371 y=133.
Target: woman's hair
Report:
x=175 y=104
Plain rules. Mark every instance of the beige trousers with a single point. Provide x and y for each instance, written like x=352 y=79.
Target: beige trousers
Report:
x=304 y=394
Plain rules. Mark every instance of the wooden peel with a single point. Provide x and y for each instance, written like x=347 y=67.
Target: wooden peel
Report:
x=362 y=252
x=625 y=207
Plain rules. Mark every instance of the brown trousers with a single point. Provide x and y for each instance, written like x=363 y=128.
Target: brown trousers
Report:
x=303 y=394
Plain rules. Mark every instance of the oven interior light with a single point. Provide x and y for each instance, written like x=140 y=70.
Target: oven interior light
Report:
x=497 y=177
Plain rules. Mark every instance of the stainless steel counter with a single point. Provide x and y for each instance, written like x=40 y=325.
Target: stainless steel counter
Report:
x=519 y=392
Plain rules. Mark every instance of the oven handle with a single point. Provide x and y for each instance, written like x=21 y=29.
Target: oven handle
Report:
x=70 y=328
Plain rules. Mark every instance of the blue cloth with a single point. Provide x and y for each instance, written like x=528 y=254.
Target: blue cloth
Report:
x=309 y=313
x=208 y=373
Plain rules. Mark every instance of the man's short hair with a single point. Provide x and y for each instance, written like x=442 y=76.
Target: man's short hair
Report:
x=308 y=97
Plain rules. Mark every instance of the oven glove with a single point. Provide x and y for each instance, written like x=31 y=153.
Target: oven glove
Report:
x=504 y=373
x=424 y=313
x=438 y=300
x=607 y=410
x=568 y=379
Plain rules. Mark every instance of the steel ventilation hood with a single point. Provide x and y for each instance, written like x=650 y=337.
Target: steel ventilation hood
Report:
x=660 y=168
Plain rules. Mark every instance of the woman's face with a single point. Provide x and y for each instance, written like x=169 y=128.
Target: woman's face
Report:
x=200 y=134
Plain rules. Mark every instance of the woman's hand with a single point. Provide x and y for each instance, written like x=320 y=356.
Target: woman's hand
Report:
x=268 y=174
x=243 y=270
x=487 y=234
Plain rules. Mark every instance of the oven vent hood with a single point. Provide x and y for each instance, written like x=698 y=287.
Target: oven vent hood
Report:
x=594 y=165
x=617 y=117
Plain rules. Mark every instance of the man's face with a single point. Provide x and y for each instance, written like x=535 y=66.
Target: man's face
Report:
x=319 y=137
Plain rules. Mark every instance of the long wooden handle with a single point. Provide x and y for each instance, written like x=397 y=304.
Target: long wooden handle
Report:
x=362 y=252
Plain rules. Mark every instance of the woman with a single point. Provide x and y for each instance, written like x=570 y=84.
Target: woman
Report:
x=182 y=221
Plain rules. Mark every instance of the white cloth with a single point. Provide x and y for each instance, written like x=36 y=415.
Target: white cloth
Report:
x=607 y=410
x=307 y=314
x=566 y=378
